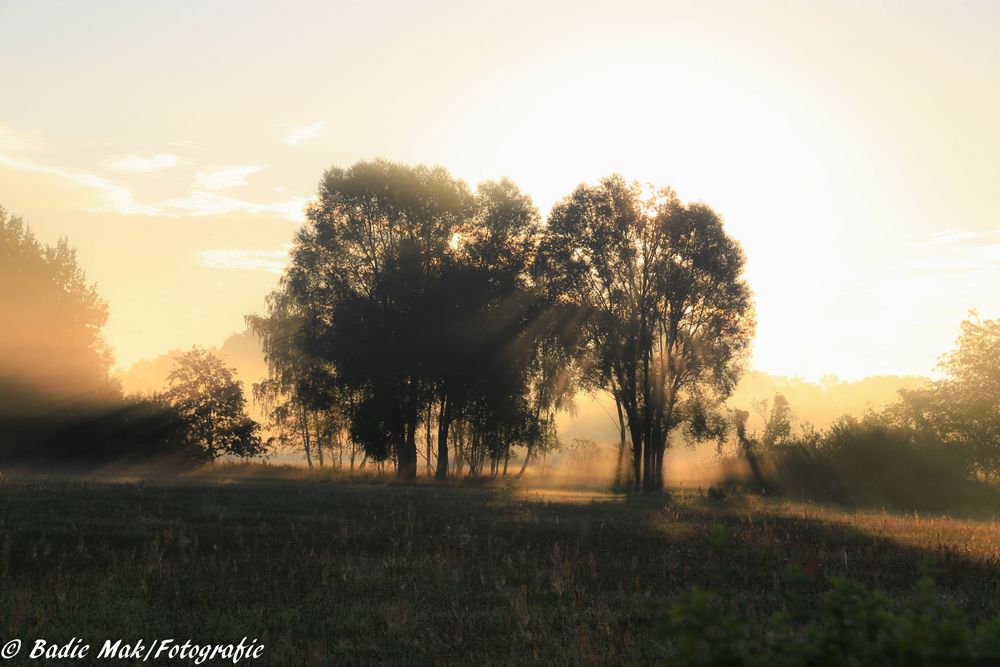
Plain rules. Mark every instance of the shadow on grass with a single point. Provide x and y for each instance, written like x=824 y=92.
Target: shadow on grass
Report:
x=325 y=572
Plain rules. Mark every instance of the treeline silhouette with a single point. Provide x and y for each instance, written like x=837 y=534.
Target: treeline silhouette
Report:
x=60 y=409
x=937 y=447
x=413 y=301
x=421 y=322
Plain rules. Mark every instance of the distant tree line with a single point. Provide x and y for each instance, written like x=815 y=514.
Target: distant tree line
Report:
x=931 y=449
x=421 y=323
x=414 y=306
x=59 y=406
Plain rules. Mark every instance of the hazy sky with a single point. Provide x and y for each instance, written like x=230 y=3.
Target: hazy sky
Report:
x=851 y=147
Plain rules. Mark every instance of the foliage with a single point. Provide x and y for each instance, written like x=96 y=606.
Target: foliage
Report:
x=53 y=337
x=776 y=418
x=59 y=408
x=963 y=409
x=872 y=461
x=210 y=400
x=931 y=448
x=665 y=314
x=113 y=436
x=854 y=626
x=408 y=301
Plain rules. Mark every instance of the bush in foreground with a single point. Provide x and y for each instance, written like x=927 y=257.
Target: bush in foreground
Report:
x=854 y=625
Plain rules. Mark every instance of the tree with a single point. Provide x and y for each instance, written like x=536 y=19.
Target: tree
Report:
x=52 y=336
x=492 y=330
x=962 y=409
x=776 y=419
x=412 y=295
x=299 y=396
x=210 y=400
x=776 y=430
x=58 y=404
x=377 y=238
x=666 y=314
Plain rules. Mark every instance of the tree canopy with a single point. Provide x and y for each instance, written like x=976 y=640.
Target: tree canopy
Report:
x=53 y=318
x=962 y=409
x=210 y=400
x=410 y=294
x=667 y=315
x=412 y=300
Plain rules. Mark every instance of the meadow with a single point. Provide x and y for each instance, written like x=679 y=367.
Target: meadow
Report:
x=325 y=571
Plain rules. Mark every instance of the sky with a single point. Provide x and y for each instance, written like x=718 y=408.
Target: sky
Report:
x=851 y=147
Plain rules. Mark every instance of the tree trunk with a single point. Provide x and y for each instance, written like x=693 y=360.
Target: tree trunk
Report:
x=661 y=451
x=407 y=467
x=444 y=422
x=319 y=440
x=648 y=466
x=658 y=445
x=527 y=457
x=619 y=472
x=340 y=450
x=305 y=437
x=638 y=455
x=459 y=448
x=427 y=429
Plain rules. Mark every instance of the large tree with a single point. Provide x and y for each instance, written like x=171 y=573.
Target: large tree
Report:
x=665 y=311
x=490 y=324
x=413 y=295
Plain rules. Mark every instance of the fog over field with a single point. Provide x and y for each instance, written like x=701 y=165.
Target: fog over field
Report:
x=651 y=332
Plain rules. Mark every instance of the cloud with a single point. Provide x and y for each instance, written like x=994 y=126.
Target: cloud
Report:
x=140 y=164
x=117 y=197
x=271 y=261
x=953 y=238
x=14 y=141
x=302 y=134
x=209 y=203
x=225 y=177
x=958 y=251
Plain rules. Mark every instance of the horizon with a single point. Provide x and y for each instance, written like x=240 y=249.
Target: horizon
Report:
x=847 y=147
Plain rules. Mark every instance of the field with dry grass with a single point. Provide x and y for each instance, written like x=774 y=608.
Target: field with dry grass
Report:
x=323 y=571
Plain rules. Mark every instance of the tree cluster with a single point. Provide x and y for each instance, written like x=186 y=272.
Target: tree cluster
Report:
x=414 y=304
x=60 y=408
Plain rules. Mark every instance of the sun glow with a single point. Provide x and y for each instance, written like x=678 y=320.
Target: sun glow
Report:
x=848 y=147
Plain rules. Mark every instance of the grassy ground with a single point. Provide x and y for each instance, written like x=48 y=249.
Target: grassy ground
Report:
x=325 y=572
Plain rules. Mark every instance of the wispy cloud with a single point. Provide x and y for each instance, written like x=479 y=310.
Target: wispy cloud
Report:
x=302 y=134
x=957 y=251
x=117 y=197
x=210 y=203
x=14 y=141
x=109 y=195
x=141 y=164
x=954 y=237
x=225 y=177
x=271 y=261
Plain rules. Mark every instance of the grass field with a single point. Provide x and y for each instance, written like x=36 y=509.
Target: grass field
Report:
x=325 y=572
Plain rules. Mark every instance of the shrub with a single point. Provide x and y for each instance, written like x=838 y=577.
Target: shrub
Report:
x=852 y=626
x=871 y=462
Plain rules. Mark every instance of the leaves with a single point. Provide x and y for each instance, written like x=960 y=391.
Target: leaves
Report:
x=666 y=315
x=210 y=400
